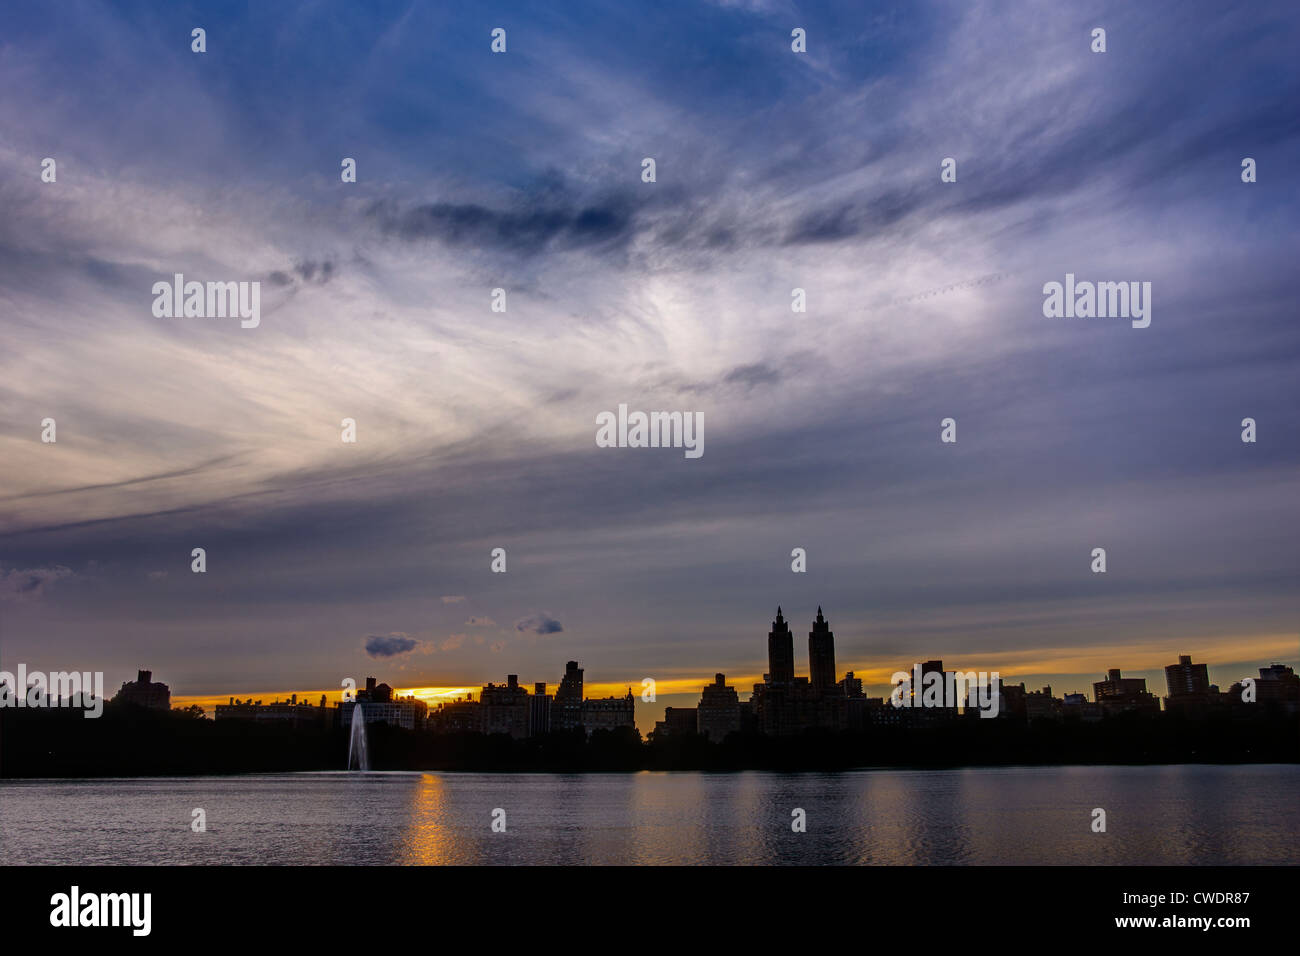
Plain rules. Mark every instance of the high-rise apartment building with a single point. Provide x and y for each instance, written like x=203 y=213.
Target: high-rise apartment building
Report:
x=566 y=709
x=821 y=655
x=719 y=710
x=780 y=652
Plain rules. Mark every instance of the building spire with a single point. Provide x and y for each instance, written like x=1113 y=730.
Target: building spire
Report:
x=821 y=655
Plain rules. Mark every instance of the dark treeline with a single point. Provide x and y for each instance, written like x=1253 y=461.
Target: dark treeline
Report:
x=127 y=741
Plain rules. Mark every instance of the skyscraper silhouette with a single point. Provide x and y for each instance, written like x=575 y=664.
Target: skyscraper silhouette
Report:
x=566 y=709
x=780 y=651
x=821 y=655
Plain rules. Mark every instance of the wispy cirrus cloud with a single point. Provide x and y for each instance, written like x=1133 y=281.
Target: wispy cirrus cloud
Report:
x=28 y=583
x=475 y=428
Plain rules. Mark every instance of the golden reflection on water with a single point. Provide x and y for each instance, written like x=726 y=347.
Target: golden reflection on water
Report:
x=428 y=840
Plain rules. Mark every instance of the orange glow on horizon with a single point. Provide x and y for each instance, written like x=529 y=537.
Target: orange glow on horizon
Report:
x=430 y=695
x=1085 y=665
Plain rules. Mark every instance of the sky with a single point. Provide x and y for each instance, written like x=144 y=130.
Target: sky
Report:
x=522 y=170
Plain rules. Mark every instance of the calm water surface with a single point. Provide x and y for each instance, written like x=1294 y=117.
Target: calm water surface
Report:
x=1155 y=815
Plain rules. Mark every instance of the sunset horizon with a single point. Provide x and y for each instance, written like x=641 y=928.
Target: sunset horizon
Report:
x=516 y=440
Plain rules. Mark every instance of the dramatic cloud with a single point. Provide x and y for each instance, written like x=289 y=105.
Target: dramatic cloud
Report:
x=390 y=646
x=775 y=171
x=539 y=624
x=528 y=231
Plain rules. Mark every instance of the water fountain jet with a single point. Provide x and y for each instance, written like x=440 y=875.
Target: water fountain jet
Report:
x=358 y=748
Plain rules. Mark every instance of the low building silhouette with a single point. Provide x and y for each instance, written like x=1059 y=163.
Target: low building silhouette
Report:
x=463 y=715
x=505 y=708
x=719 y=710
x=608 y=713
x=1279 y=685
x=539 y=711
x=380 y=706
x=1276 y=693
x=1079 y=707
x=677 y=722
x=1121 y=695
x=144 y=691
x=509 y=709
x=1191 y=695
x=1041 y=705
x=299 y=714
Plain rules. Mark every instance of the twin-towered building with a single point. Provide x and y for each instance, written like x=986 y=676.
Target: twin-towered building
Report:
x=783 y=704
